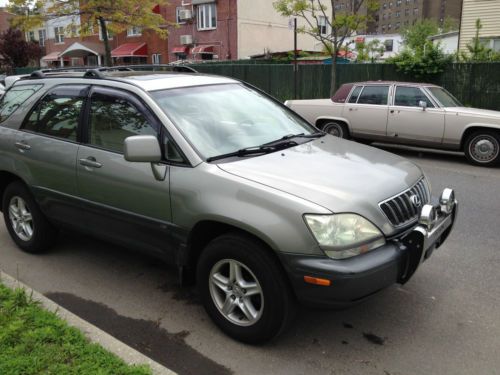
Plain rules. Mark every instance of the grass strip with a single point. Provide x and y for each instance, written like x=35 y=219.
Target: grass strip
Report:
x=35 y=341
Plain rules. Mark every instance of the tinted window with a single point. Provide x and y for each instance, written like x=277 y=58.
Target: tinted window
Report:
x=14 y=97
x=410 y=97
x=113 y=119
x=56 y=116
x=355 y=94
x=374 y=95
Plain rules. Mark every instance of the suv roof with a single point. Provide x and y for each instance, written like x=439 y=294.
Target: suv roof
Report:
x=149 y=80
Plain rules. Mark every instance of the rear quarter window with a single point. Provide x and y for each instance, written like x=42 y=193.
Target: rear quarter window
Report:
x=14 y=98
x=342 y=93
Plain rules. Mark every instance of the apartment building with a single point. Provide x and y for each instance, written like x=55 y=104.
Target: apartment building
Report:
x=394 y=15
x=488 y=11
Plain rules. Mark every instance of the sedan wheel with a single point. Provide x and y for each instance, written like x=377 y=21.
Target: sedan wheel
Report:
x=335 y=129
x=483 y=148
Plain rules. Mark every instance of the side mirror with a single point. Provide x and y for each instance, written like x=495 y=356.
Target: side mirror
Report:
x=142 y=149
x=422 y=104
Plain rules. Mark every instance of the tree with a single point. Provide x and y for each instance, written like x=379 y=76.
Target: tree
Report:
x=477 y=51
x=370 y=51
x=15 y=51
x=327 y=24
x=421 y=58
x=109 y=15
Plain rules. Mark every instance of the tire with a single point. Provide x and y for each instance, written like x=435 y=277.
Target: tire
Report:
x=483 y=148
x=336 y=129
x=268 y=311
x=28 y=227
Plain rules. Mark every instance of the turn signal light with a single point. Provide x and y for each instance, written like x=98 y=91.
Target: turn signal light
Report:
x=317 y=281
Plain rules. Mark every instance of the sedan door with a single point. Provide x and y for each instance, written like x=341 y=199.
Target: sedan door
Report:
x=366 y=110
x=125 y=201
x=410 y=123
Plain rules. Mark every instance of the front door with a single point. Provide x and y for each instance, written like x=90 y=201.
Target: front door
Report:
x=410 y=123
x=125 y=201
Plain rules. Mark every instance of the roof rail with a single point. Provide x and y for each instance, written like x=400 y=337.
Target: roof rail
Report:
x=37 y=74
x=160 y=67
x=94 y=73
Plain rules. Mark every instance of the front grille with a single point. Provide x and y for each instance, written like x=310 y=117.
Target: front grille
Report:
x=401 y=210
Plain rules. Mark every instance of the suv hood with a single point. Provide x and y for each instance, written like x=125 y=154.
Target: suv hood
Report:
x=340 y=175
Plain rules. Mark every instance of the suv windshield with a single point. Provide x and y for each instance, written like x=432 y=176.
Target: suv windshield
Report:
x=222 y=119
x=444 y=97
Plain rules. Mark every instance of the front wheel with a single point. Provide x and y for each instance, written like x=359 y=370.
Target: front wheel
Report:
x=26 y=224
x=483 y=148
x=244 y=289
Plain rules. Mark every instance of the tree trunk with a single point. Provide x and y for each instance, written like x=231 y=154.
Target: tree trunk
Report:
x=107 y=54
x=333 y=84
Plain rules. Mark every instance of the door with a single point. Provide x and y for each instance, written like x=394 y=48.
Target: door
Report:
x=125 y=201
x=367 y=111
x=48 y=146
x=410 y=123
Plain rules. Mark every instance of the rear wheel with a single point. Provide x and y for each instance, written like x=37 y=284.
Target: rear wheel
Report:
x=336 y=129
x=243 y=289
x=483 y=148
x=26 y=224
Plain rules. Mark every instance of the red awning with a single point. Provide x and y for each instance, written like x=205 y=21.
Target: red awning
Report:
x=202 y=49
x=156 y=9
x=180 y=49
x=131 y=50
x=54 y=56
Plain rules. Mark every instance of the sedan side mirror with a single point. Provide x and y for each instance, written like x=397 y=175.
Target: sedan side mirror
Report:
x=142 y=149
x=422 y=104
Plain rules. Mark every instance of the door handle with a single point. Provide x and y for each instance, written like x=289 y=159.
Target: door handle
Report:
x=22 y=146
x=392 y=110
x=90 y=162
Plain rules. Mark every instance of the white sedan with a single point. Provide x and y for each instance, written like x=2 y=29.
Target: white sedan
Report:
x=406 y=113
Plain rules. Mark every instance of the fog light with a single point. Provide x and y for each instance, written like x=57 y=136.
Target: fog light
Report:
x=447 y=200
x=428 y=216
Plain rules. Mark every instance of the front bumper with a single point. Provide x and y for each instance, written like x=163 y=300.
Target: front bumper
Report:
x=356 y=278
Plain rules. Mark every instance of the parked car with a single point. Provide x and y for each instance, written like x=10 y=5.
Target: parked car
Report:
x=241 y=194
x=406 y=113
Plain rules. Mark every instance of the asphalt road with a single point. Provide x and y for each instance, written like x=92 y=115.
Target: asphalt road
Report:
x=446 y=320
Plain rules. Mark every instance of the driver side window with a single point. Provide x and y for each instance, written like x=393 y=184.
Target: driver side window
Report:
x=410 y=97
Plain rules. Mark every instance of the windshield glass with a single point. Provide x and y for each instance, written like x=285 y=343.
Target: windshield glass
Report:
x=219 y=119
x=444 y=97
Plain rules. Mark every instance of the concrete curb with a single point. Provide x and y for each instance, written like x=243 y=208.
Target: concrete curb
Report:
x=94 y=334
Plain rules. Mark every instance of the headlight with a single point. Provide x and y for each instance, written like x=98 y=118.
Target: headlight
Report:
x=344 y=235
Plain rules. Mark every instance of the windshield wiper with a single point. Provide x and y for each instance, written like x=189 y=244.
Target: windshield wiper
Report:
x=292 y=136
x=244 y=152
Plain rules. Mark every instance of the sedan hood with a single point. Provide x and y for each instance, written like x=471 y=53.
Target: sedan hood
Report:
x=476 y=112
x=339 y=175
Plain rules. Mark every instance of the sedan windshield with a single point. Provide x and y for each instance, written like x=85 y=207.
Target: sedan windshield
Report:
x=444 y=97
x=227 y=118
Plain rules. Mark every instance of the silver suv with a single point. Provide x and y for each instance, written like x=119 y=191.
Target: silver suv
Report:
x=239 y=192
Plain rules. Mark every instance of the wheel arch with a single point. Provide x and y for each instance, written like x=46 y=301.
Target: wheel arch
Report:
x=472 y=128
x=322 y=121
x=7 y=178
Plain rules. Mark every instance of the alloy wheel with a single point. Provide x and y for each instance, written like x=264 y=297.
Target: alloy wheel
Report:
x=21 y=218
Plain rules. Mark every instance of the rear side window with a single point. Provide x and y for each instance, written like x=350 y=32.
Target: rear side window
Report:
x=374 y=95
x=355 y=94
x=56 y=116
x=14 y=98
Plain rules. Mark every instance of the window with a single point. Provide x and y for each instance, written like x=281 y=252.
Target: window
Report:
x=14 y=97
x=323 y=29
x=134 y=31
x=410 y=97
x=415 y=11
x=398 y=25
x=177 y=15
x=398 y=14
x=156 y=58
x=407 y=12
x=398 y=3
x=110 y=34
x=207 y=16
x=385 y=5
x=59 y=34
x=31 y=36
x=355 y=94
x=374 y=95
x=112 y=119
x=389 y=45
x=41 y=37
x=56 y=116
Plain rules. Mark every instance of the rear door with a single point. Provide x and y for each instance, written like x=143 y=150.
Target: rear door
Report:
x=48 y=145
x=367 y=110
x=125 y=201
x=410 y=123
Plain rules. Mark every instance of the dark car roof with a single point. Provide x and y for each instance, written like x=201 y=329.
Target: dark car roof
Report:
x=341 y=95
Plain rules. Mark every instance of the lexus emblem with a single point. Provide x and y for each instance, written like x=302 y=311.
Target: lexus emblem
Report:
x=415 y=199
